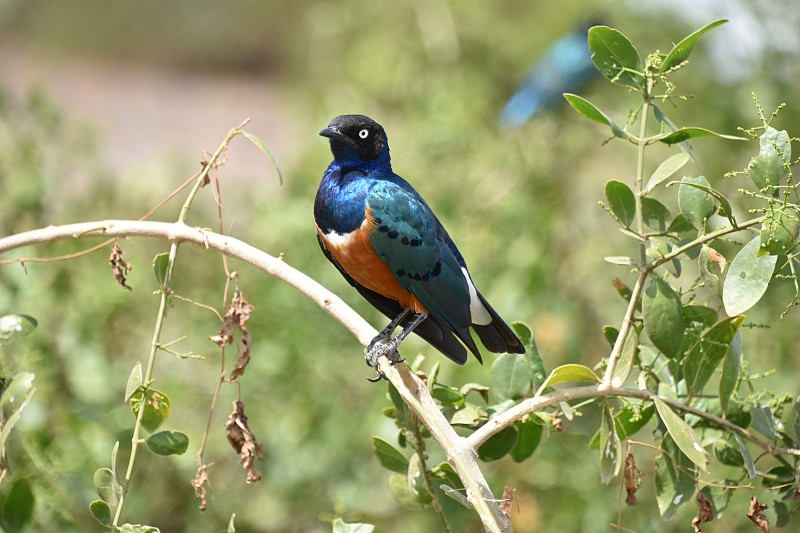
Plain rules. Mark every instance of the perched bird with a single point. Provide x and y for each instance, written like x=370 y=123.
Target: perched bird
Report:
x=387 y=243
x=564 y=66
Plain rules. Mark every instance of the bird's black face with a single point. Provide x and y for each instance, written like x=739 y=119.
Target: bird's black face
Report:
x=355 y=135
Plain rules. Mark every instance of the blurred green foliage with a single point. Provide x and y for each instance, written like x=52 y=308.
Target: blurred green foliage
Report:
x=522 y=207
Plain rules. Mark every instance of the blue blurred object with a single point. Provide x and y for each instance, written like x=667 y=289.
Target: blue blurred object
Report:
x=564 y=66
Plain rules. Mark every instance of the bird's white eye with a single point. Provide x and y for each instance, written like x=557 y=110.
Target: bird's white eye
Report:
x=363 y=133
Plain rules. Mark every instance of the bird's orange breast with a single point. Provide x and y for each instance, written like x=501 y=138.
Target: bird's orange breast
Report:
x=355 y=254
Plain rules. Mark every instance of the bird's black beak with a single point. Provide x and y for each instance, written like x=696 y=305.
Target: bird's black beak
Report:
x=332 y=133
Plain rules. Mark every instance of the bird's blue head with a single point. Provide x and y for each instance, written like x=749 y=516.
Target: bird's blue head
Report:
x=356 y=139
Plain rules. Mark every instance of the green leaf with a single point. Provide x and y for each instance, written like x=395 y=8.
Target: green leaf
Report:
x=445 y=471
x=398 y=487
x=707 y=353
x=655 y=214
x=569 y=373
x=416 y=481
x=511 y=376
x=711 y=265
x=160 y=267
x=680 y=52
x=340 y=526
x=667 y=168
x=107 y=486
x=748 y=459
x=684 y=134
x=101 y=512
x=156 y=407
x=626 y=357
x=138 y=528
x=592 y=112
x=168 y=443
x=747 y=279
x=699 y=314
x=667 y=124
x=535 y=361
x=498 y=445
x=662 y=312
x=725 y=208
x=231 y=525
x=731 y=367
x=135 y=380
x=529 y=437
x=679 y=225
x=401 y=409
x=621 y=201
x=468 y=416
x=779 y=230
x=15 y=397
x=628 y=422
x=615 y=57
x=683 y=436
x=673 y=480
x=447 y=395
x=728 y=454
x=17 y=507
x=610 y=448
x=390 y=457
x=770 y=166
x=264 y=147
x=15 y=327
x=695 y=203
x=763 y=422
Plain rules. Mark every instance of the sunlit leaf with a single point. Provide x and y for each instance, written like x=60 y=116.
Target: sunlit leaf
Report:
x=680 y=52
x=137 y=528
x=626 y=357
x=779 y=230
x=340 y=526
x=398 y=487
x=390 y=457
x=684 y=134
x=662 y=312
x=447 y=395
x=683 y=436
x=108 y=488
x=592 y=112
x=416 y=481
x=708 y=352
x=569 y=373
x=135 y=380
x=667 y=168
x=615 y=56
x=15 y=327
x=747 y=279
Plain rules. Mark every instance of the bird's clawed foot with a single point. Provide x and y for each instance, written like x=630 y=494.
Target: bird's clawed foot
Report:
x=379 y=347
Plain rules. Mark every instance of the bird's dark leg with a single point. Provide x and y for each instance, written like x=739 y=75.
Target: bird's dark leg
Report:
x=379 y=347
x=386 y=333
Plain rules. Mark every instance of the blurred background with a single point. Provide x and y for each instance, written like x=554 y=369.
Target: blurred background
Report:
x=106 y=107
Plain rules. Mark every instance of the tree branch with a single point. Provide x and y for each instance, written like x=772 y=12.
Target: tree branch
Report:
x=530 y=405
x=460 y=453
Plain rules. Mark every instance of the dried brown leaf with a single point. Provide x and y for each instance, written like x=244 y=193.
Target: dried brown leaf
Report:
x=755 y=516
x=558 y=424
x=244 y=442
x=509 y=495
x=633 y=479
x=705 y=513
x=119 y=267
x=199 y=484
x=236 y=318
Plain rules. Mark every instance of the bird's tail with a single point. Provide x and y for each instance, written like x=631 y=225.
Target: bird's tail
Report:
x=497 y=336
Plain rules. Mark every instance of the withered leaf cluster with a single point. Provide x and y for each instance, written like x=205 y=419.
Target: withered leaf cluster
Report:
x=236 y=318
x=244 y=442
x=119 y=267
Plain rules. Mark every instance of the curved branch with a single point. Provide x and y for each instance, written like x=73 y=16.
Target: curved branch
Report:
x=415 y=393
x=505 y=419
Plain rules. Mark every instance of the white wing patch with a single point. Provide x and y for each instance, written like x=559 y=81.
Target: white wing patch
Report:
x=477 y=312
